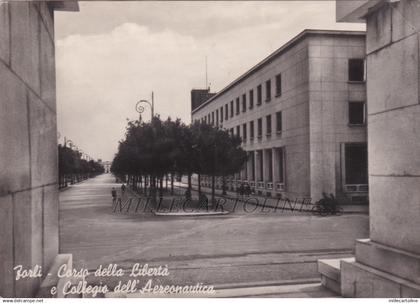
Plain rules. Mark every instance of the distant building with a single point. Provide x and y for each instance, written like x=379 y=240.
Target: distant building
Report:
x=107 y=166
x=199 y=96
x=301 y=114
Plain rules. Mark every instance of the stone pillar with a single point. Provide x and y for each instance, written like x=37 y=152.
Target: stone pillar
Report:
x=28 y=144
x=248 y=165
x=388 y=264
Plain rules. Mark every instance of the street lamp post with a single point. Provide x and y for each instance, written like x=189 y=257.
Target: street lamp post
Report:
x=140 y=107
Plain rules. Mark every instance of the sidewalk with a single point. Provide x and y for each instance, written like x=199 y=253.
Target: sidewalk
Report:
x=296 y=289
x=269 y=202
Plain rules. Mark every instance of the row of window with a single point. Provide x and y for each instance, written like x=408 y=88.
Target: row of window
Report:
x=268 y=165
x=356 y=116
x=355 y=165
x=228 y=110
x=356 y=73
x=261 y=156
x=268 y=121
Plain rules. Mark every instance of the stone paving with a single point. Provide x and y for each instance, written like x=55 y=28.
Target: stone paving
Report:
x=218 y=250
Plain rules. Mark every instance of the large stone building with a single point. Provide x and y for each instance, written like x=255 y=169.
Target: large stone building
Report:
x=28 y=142
x=301 y=115
x=388 y=264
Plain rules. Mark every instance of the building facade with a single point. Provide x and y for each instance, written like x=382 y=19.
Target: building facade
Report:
x=388 y=264
x=301 y=116
x=29 y=224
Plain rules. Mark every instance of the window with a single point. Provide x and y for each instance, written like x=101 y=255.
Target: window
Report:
x=356 y=171
x=279 y=122
x=270 y=164
x=259 y=95
x=212 y=118
x=267 y=90
x=243 y=103
x=231 y=131
x=280 y=164
x=259 y=131
x=231 y=108
x=208 y=118
x=244 y=134
x=268 y=120
x=251 y=129
x=356 y=70
x=221 y=114
x=238 y=130
x=278 y=85
x=356 y=113
x=251 y=99
x=226 y=112
x=237 y=106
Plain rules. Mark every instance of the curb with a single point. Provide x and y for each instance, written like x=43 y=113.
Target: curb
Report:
x=266 y=283
x=190 y=214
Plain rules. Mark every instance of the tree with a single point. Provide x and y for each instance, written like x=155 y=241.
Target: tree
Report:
x=71 y=164
x=159 y=147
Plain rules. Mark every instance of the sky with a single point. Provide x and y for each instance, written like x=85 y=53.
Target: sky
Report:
x=109 y=55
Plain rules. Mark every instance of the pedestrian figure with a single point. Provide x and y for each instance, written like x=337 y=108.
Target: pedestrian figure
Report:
x=122 y=189
x=203 y=199
x=328 y=202
x=188 y=196
x=114 y=195
x=333 y=203
x=247 y=190
x=241 y=190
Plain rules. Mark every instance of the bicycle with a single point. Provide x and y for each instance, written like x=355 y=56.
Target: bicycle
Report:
x=327 y=206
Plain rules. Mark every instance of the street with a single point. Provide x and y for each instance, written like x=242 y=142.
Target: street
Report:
x=225 y=251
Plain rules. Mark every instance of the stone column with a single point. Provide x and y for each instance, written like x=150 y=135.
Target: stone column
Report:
x=388 y=264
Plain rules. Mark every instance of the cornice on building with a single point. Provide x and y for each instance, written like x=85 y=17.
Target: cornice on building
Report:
x=69 y=6
x=303 y=35
x=355 y=11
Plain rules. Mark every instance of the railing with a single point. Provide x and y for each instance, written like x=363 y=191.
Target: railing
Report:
x=279 y=186
x=356 y=188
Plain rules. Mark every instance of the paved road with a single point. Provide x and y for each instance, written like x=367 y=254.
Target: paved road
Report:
x=221 y=250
